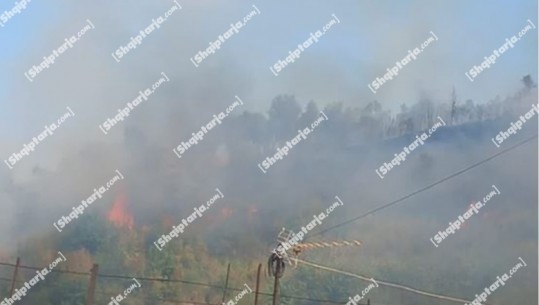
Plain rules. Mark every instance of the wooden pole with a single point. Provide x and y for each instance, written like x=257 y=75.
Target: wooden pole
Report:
x=257 y=283
x=15 y=276
x=226 y=282
x=91 y=287
x=276 y=291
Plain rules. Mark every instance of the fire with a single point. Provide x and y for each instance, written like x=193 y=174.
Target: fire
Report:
x=118 y=214
x=226 y=212
x=252 y=212
x=169 y=221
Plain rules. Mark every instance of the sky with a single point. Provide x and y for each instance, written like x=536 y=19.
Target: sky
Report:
x=371 y=36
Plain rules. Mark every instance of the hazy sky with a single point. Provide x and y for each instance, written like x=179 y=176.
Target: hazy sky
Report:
x=372 y=35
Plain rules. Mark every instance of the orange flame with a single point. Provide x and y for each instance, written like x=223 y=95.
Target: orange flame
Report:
x=168 y=221
x=118 y=214
x=252 y=212
x=226 y=212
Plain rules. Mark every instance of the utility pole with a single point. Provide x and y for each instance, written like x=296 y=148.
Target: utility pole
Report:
x=257 y=283
x=276 y=266
x=226 y=282
x=91 y=287
x=15 y=276
x=276 y=291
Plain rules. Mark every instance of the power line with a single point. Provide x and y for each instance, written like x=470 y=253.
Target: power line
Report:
x=372 y=211
x=211 y=286
x=149 y=279
x=393 y=285
x=127 y=277
x=5 y=279
x=37 y=268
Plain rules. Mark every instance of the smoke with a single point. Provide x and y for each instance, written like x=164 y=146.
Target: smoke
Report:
x=66 y=167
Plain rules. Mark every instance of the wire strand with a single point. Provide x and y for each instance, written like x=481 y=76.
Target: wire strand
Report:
x=126 y=277
x=372 y=211
x=393 y=285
